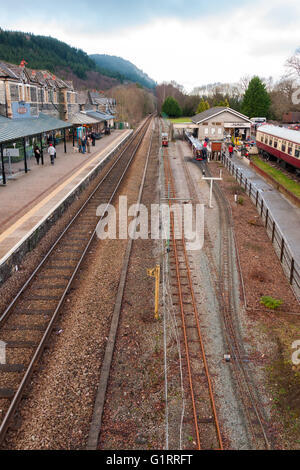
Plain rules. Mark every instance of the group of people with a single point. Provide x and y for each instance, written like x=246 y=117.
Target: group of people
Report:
x=85 y=142
x=51 y=152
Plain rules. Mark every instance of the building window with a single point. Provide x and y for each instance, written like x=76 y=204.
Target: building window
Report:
x=206 y=131
x=33 y=94
x=213 y=131
x=220 y=131
x=14 y=93
x=27 y=93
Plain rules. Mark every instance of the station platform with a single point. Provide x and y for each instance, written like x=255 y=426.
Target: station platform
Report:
x=286 y=215
x=30 y=199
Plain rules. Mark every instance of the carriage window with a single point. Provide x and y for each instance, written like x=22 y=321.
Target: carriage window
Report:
x=297 y=153
x=271 y=142
x=275 y=144
x=290 y=150
x=266 y=140
x=283 y=147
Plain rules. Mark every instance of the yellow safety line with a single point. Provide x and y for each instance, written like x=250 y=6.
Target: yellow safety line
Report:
x=54 y=192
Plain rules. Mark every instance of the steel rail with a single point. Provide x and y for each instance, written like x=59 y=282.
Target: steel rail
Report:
x=229 y=309
x=170 y=180
x=139 y=135
x=96 y=422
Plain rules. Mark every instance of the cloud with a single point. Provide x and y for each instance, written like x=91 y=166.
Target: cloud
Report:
x=113 y=15
x=193 y=42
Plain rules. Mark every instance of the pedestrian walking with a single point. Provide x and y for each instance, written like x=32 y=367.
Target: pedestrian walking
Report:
x=37 y=154
x=93 y=139
x=52 y=152
x=230 y=150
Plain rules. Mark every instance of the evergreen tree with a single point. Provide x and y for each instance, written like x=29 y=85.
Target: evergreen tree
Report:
x=223 y=103
x=171 y=107
x=203 y=106
x=256 y=101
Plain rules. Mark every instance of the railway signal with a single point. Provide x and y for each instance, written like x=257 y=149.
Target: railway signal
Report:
x=212 y=179
x=155 y=273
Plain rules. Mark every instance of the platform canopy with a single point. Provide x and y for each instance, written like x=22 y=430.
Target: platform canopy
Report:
x=100 y=116
x=80 y=119
x=14 y=129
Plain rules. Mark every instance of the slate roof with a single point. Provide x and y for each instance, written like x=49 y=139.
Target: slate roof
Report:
x=35 y=77
x=99 y=115
x=209 y=113
x=82 y=118
x=11 y=130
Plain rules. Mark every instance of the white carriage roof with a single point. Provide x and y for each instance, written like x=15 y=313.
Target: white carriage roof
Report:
x=281 y=132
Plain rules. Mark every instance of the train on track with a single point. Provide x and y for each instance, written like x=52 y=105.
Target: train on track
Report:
x=164 y=139
x=197 y=147
x=279 y=143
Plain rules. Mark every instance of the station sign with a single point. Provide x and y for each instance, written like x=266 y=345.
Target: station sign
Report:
x=239 y=125
x=22 y=110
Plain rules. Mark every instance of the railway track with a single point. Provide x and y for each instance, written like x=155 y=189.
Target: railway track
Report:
x=27 y=323
x=256 y=420
x=105 y=375
x=205 y=420
x=225 y=287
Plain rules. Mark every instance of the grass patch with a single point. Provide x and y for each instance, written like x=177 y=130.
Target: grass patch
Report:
x=278 y=176
x=181 y=120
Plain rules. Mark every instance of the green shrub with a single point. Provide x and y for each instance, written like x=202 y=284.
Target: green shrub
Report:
x=271 y=303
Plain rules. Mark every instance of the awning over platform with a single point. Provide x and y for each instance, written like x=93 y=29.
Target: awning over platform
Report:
x=100 y=116
x=81 y=118
x=11 y=130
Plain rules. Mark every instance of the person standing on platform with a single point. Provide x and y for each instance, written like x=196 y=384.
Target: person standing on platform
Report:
x=93 y=139
x=52 y=152
x=230 y=150
x=83 y=143
x=88 y=144
x=37 y=154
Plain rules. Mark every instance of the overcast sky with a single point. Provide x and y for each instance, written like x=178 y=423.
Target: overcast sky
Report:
x=193 y=42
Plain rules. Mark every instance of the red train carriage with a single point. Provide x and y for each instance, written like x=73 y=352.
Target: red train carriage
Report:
x=279 y=142
x=164 y=139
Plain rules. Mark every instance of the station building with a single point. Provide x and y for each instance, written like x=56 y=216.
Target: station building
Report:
x=219 y=122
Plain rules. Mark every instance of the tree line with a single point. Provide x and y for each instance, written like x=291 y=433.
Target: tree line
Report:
x=252 y=96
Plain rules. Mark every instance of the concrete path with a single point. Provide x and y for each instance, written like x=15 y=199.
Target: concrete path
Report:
x=28 y=201
x=27 y=190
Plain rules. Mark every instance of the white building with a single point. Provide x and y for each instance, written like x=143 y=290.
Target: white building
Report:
x=215 y=123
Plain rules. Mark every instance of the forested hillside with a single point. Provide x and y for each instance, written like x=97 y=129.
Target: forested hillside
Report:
x=124 y=69
x=42 y=52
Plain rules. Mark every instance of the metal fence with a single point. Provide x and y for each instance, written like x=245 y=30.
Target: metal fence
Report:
x=290 y=267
